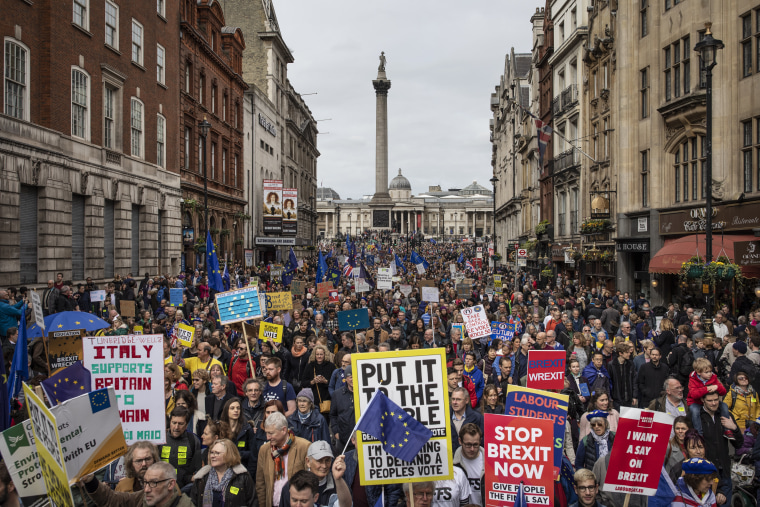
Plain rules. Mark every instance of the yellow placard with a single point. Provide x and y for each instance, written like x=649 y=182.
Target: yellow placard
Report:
x=279 y=301
x=269 y=331
x=185 y=334
x=48 y=442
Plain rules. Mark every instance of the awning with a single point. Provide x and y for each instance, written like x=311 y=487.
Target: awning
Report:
x=677 y=251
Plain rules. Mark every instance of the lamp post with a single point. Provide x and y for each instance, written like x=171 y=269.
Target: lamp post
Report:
x=203 y=128
x=494 y=180
x=337 y=212
x=313 y=221
x=708 y=49
x=349 y=224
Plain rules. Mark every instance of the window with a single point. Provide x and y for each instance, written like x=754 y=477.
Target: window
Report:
x=645 y=179
x=161 y=8
x=668 y=90
x=16 y=80
x=235 y=171
x=606 y=139
x=677 y=174
x=605 y=77
x=80 y=103
x=593 y=84
x=109 y=114
x=676 y=69
x=112 y=24
x=747 y=154
x=201 y=87
x=161 y=141
x=671 y=3
x=596 y=141
x=224 y=165
x=137 y=42
x=644 y=28
x=188 y=76
x=160 y=55
x=213 y=98
x=224 y=107
x=747 y=45
x=686 y=64
x=137 y=128
x=82 y=13
x=561 y=212
x=690 y=160
x=213 y=161
x=644 y=73
x=188 y=135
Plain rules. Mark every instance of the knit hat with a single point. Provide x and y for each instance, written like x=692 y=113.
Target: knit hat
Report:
x=306 y=393
x=347 y=371
x=740 y=347
x=698 y=466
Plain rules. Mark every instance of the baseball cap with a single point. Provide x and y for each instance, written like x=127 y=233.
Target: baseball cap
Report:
x=319 y=449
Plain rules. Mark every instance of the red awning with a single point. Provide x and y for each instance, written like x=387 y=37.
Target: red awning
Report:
x=677 y=251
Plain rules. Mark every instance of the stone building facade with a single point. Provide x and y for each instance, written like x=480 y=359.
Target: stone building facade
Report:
x=89 y=151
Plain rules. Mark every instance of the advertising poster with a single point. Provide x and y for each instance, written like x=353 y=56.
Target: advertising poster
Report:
x=476 y=322
x=279 y=301
x=133 y=366
x=546 y=369
x=525 y=402
x=641 y=442
x=49 y=451
x=20 y=456
x=272 y=210
x=269 y=331
x=64 y=349
x=518 y=450
x=289 y=211
x=416 y=381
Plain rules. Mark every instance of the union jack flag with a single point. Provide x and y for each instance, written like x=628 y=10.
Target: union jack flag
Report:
x=468 y=265
x=348 y=270
x=544 y=132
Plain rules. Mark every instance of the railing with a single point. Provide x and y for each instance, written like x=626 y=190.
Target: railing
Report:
x=565 y=100
x=564 y=160
x=556 y=106
x=113 y=157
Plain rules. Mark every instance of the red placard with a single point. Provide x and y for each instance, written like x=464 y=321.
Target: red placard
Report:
x=546 y=369
x=641 y=441
x=518 y=449
x=334 y=297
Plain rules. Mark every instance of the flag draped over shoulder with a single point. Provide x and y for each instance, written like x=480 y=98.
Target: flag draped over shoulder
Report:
x=212 y=263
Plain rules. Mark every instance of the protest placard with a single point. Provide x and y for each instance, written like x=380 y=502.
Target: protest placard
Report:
x=503 y=331
x=298 y=287
x=525 y=402
x=427 y=283
x=137 y=329
x=518 y=450
x=641 y=441
x=416 y=381
x=269 y=331
x=127 y=308
x=239 y=305
x=39 y=316
x=132 y=365
x=253 y=282
x=462 y=330
x=185 y=334
x=20 y=456
x=361 y=285
x=497 y=286
x=546 y=369
x=384 y=279
x=175 y=297
x=279 y=301
x=405 y=289
x=323 y=289
x=48 y=442
x=64 y=349
x=97 y=296
x=276 y=271
x=430 y=294
x=452 y=268
x=89 y=441
x=476 y=322
x=464 y=288
x=334 y=296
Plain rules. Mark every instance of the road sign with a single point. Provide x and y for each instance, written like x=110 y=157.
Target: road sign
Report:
x=522 y=253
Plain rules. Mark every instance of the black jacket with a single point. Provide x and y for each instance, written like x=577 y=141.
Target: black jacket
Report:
x=650 y=381
x=470 y=416
x=623 y=377
x=716 y=447
x=191 y=460
x=240 y=491
x=342 y=418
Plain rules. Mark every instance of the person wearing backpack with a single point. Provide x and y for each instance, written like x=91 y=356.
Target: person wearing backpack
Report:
x=742 y=400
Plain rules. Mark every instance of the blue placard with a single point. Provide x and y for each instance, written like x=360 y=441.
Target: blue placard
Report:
x=502 y=330
x=239 y=305
x=584 y=390
x=175 y=297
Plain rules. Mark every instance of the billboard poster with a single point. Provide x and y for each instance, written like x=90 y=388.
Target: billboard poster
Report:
x=272 y=210
x=289 y=211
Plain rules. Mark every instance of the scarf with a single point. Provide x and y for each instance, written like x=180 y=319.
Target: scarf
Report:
x=304 y=417
x=601 y=441
x=469 y=370
x=278 y=453
x=300 y=353
x=213 y=484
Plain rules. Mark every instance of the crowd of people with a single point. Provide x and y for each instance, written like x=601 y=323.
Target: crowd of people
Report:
x=270 y=423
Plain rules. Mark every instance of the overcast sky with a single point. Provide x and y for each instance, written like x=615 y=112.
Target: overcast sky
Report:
x=444 y=58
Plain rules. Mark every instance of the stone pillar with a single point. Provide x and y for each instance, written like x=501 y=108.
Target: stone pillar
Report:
x=382 y=84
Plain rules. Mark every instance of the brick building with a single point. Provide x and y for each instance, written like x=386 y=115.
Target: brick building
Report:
x=89 y=156
x=212 y=87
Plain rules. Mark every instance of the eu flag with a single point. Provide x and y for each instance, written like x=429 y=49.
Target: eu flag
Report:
x=353 y=319
x=401 y=435
x=20 y=364
x=290 y=268
x=226 y=277
x=461 y=258
x=399 y=264
x=321 y=268
x=70 y=382
x=334 y=276
x=212 y=265
x=520 y=500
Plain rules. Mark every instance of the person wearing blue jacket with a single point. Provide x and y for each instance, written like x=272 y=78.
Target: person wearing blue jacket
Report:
x=472 y=371
x=306 y=422
x=9 y=314
x=597 y=372
x=338 y=375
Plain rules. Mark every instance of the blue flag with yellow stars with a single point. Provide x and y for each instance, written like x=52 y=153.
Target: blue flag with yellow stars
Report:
x=212 y=265
x=99 y=400
x=70 y=382
x=353 y=319
x=401 y=435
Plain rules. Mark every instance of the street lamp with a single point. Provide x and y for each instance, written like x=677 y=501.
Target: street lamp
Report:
x=203 y=128
x=313 y=221
x=349 y=224
x=494 y=181
x=707 y=49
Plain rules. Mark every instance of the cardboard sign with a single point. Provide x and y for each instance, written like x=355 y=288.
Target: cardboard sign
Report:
x=269 y=331
x=641 y=442
x=503 y=331
x=90 y=441
x=405 y=289
x=416 y=381
x=525 y=402
x=430 y=294
x=97 y=296
x=464 y=288
x=546 y=369
x=518 y=450
x=175 y=297
x=64 y=349
x=239 y=305
x=334 y=297
x=17 y=445
x=497 y=286
x=324 y=288
x=476 y=322
x=127 y=308
x=384 y=279
x=427 y=283
x=185 y=334
x=298 y=287
x=48 y=442
x=39 y=316
x=279 y=301
x=132 y=365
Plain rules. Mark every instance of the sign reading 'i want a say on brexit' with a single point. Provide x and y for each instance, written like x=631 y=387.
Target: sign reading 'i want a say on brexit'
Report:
x=239 y=305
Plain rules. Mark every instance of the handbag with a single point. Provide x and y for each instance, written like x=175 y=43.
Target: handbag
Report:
x=324 y=406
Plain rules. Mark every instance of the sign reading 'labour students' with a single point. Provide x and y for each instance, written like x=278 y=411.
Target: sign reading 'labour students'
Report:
x=546 y=369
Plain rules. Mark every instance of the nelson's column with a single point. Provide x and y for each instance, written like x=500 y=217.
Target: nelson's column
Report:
x=381 y=203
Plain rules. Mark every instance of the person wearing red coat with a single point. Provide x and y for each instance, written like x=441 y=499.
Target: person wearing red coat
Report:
x=701 y=382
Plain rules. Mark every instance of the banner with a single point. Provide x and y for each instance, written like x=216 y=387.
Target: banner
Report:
x=49 y=451
x=248 y=255
x=415 y=381
x=430 y=294
x=17 y=445
x=269 y=331
x=89 y=441
x=175 y=297
x=132 y=365
x=503 y=331
x=546 y=369
x=272 y=210
x=289 y=211
x=641 y=441
x=239 y=305
x=518 y=450
x=384 y=279
x=185 y=334
x=476 y=322
x=525 y=402
x=323 y=289
x=64 y=349
x=279 y=301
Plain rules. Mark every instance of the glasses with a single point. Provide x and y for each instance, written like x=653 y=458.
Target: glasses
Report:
x=215 y=453
x=587 y=488
x=154 y=484
x=597 y=424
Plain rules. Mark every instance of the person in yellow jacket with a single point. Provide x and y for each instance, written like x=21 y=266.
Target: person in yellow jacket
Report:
x=742 y=401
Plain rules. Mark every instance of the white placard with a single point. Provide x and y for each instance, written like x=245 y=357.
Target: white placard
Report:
x=430 y=294
x=384 y=279
x=476 y=322
x=39 y=317
x=453 y=268
x=361 y=285
x=405 y=289
x=97 y=296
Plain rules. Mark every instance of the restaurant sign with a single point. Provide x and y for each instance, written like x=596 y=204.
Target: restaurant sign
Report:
x=747 y=253
x=735 y=217
x=632 y=245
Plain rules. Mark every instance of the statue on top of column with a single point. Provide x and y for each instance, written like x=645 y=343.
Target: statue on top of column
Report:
x=381 y=67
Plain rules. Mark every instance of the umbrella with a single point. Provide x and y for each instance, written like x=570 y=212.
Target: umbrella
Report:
x=66 y=321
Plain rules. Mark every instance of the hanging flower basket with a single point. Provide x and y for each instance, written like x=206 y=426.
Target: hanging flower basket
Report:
x=695 y=271
x=547 y=272
x=596 y=226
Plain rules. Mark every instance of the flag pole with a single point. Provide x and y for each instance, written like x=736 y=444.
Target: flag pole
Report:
x=411 y=493
x=247 y=344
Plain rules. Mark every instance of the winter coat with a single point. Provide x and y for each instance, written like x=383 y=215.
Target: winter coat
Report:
x=623 y=380
x=321 y=391
x=697 y=388
x=650 y=380
x=743 y=407
x=102 y=494
x=265 y=470
x=9 y=315
x=588 y=451
x=315 y=428
x=239 y=492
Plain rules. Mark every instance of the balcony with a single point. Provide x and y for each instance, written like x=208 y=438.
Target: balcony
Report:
x=566 y=160
x=566 y=100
